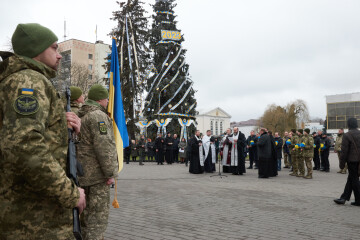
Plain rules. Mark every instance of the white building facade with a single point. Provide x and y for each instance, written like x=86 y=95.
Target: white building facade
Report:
x=216 y=120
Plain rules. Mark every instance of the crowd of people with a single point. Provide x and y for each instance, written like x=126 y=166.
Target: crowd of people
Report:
x=38 y=197
x=265 y=150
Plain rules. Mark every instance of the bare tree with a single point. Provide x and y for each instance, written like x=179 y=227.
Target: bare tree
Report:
x=78 y=75
x=280 y=119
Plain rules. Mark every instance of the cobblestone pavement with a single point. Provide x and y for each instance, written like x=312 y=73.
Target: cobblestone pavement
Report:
x=166 y=202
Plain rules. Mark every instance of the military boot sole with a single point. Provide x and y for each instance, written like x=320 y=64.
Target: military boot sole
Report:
x=308 y=177
x=300 y=175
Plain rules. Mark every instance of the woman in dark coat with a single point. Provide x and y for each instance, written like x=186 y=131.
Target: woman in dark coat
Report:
x=134 y=150
x=182 y=150
x=150 y=148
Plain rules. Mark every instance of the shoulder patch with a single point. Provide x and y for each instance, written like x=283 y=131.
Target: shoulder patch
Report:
x=26 y=104
x=102 y=128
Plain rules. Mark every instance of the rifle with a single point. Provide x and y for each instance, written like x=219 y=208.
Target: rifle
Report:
x=72 y=170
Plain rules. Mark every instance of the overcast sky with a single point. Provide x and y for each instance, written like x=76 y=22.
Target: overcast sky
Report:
x=243 y=55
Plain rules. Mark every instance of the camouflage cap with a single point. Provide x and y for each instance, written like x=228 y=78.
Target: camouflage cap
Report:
x=31 y=39
x=300 y=131
x=293 y=130
x=98 y=92
x=307 y=130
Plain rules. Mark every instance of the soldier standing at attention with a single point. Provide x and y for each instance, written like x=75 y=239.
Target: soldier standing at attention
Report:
x=286 y=150
x=301 y=158
x=308 y=152
x=97 y=154
x=77 y=99
x=337 y=148
x=294 y=152
x=36 y=196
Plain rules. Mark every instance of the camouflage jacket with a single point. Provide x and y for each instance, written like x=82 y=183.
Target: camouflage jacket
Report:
x=300 y=149
x=36 y=196
x=294 y=140
x=308 y=150
x=75 y=107
x=96 y=151
x=338 y=142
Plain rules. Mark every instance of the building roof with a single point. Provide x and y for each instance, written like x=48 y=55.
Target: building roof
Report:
x=346 y=97
x=218 y=112
x=73 y=39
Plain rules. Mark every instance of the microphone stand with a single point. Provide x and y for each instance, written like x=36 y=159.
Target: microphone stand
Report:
x=219 y=173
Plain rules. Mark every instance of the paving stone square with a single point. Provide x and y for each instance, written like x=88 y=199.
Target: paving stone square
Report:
x=167 y=202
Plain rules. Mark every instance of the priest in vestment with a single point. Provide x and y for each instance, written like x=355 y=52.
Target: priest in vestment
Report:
x=234 y=152
x=196 y=156
x=209 y=152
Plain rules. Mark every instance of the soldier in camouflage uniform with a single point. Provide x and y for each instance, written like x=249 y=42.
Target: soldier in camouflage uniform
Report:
x=301 y=157
x=97 y=154
x=36 y=196
x=294 y=152
x=337 y=148
x=77 y=99
x=308 y=152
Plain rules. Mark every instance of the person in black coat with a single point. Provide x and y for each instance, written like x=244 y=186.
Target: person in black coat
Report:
x=278 y=149
x=150 y=150
x=274 y=164
x=194 y=155
x=350 y=153
x=241 y=149
x=159 y=149
x=175 y=148
x=265 y=154
x=251 y=142
x=169 y=142
x=316 y=158
x=325 y=145
x=127 y=152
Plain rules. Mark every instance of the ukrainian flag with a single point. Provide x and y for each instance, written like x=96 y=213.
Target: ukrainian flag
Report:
x=115 y=108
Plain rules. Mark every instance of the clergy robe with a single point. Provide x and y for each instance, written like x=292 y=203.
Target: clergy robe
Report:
x=169 y=141
x=209 y=154
x=265 y=152
x=233 y=154
x=196 y=157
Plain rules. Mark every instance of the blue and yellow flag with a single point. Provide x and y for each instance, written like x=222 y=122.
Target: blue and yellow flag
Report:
x=115 y=108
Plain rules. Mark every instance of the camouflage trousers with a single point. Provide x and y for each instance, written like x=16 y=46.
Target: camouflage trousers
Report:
x=286 y=161
x=346 y=167
x=309 y=167
x=301 y=165
x=94 y=218
x=294 y=164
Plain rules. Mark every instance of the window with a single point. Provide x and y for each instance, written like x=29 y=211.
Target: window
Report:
x=221 y=127
x=90 y=56
x=216 y=128
x=90 y=77
x=339 y=113
x=90 y=67
x=66 y=56
x=212 y=126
